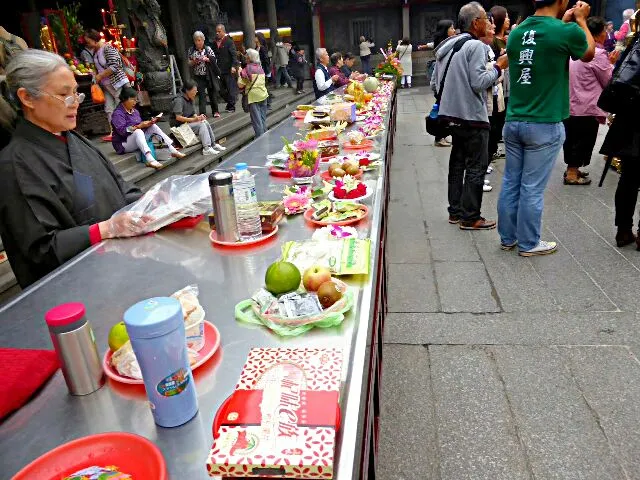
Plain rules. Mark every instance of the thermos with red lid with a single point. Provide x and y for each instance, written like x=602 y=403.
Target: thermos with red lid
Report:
x=75 y=345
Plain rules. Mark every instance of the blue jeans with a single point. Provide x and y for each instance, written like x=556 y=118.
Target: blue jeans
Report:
x=258 y=114
x=532 y=149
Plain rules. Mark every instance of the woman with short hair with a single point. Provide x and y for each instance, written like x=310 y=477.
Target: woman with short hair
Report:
x=365 y=54
x=131 y=134
x=336 y=69
x=205 y=72
x=403 y=51
x=58 y=191
x=183 y=112
x=252 y=83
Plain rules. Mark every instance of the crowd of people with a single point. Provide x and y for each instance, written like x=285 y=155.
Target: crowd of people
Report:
x=501 y=82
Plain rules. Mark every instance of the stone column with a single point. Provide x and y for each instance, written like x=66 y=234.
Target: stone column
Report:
x=272 y=17
x=179 y=38
x=406 y=25
x=317 y=37
x=248 y=24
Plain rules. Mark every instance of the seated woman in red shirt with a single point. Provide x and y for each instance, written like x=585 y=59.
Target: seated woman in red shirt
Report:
x=335 y=69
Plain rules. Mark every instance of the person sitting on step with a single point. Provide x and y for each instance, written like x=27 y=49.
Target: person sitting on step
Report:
x=130 y=133
x=183 y=111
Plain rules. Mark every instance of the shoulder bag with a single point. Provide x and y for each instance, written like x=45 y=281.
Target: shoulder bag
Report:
x=623 y=91
x=434 y=124
x=245 y=96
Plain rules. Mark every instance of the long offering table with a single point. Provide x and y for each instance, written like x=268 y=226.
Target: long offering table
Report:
x=114 y=275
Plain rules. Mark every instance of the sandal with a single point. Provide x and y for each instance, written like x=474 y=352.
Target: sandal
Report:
x=153 y=164
x=577 y=181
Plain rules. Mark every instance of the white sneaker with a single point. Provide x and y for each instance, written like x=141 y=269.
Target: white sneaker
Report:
x=487 y=182
x=206 y=151
x=219 y=147
x=489 y=169
x=487 y=188
x=543 y=248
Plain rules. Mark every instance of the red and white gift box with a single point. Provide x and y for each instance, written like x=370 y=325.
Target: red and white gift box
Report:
x=282 y=419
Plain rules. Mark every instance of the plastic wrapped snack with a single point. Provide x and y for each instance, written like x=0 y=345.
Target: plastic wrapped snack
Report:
x=350 y=256
x=171 y=199
x=124 y=359
x=99 y=473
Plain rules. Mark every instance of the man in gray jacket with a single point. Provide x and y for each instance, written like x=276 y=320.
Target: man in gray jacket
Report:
x=463 y=105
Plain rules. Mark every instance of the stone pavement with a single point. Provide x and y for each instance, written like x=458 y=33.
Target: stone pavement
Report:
x=497 y=366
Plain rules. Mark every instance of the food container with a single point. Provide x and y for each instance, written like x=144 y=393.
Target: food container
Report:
x=281 y=421
x=343 y=112
x=270 y=215
x=157 y=333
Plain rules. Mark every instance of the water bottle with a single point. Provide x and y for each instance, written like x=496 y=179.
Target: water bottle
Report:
x=434 y=111
x=157 y=333
x=247 y=212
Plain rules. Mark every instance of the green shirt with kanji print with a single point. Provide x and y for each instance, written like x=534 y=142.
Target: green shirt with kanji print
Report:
x=539 y=50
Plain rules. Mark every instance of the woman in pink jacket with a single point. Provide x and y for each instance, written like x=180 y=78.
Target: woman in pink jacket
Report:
x=586 y=82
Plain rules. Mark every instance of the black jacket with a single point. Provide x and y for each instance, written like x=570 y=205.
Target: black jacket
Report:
x=53 y=189
x=226 y=54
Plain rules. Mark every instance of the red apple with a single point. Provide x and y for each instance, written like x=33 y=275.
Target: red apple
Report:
x=314 y=277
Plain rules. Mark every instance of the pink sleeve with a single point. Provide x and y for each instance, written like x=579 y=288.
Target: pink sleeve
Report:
x=622 y=33
x=602 y=69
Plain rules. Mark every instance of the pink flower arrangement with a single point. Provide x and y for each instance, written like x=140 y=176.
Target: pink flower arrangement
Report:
x=304 y=158
x=296 y=203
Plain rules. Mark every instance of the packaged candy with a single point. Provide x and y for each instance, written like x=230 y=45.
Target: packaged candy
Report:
x=99 y=473
x=350 y=256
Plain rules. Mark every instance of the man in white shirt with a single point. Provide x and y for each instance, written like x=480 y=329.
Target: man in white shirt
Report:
x=323 y=83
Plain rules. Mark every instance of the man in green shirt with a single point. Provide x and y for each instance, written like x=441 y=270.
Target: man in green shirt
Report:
x=538 y=50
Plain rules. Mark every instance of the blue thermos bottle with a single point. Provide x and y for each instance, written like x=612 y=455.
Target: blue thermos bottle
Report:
x=156 y=330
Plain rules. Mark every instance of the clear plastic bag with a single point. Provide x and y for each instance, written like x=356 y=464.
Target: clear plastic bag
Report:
x=171 y=199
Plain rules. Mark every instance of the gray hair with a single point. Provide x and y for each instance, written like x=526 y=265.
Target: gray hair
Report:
x=198 y=34
x=30 y=70
x=468 y=13
x=626 y=15
x=224 y=29
x=253 y=56
x=319 y=52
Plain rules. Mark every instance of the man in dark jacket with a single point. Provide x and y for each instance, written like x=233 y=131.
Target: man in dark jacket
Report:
x=227 y=58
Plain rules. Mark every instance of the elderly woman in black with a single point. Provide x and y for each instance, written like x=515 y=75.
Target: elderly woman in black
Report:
x=205 y=72
x=59 y=193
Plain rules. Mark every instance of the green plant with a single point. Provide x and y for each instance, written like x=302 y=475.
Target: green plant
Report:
x=74 y=25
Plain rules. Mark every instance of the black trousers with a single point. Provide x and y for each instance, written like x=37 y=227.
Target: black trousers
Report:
x=299 y=82
x=204 y=88
x=582 y=133
x=467 y=167
x=627 y=192
x=497 y=124
x=230 y=89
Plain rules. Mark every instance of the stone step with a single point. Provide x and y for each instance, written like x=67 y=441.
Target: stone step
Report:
x=197 y=163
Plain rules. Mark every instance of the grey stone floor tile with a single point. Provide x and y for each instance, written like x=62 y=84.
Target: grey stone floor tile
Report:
x=411 y=288
x=408 y=438
x=519 y=287
x=465 y=287
x=458 y=248
x=609 y=378
x=615 y=275
x=408 y=246
x=476 y=432
x=561 y=436
x=520 y=328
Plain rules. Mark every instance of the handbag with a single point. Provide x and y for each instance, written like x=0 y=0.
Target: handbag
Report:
x=245 y=96
x=97 y=95
x=433 y=123
x=623 y=91
x=185 y=136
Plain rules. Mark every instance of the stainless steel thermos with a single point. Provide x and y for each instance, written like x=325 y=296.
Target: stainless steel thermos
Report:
x=75 y=345
x=224 y=206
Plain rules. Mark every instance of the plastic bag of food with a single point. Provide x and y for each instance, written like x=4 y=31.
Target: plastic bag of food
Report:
x=171 y=199
x=256 y=311
x=193 y=316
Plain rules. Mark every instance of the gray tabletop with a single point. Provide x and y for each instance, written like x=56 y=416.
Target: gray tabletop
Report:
x=112 y=276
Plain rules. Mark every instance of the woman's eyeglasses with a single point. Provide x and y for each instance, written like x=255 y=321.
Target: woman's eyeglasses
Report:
x=68 y=101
